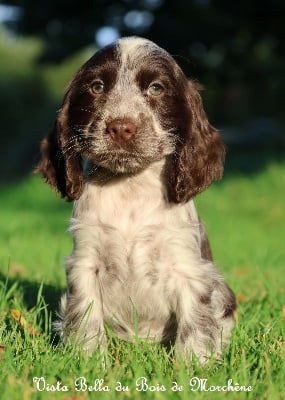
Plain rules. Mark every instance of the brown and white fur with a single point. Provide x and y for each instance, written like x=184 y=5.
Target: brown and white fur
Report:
x=131 y=147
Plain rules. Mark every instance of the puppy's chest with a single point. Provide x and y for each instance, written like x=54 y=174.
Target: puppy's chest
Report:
x=134 y=240
x=137 y=258
x=141 y=251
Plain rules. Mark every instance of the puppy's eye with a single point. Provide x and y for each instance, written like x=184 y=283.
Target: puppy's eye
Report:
x=155 y=89
x=97 y=87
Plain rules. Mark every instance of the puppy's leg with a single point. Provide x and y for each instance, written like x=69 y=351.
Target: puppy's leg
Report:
x=81 y=308
x=205 y=318
x=224 y=307
x=197 y=331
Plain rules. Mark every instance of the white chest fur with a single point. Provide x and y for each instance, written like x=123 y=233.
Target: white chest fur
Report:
x=136 y=248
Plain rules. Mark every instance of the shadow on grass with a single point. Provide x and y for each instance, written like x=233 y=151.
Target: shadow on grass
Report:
x=30 y=291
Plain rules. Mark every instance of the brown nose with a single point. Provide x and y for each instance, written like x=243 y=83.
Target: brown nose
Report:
x=121 y=130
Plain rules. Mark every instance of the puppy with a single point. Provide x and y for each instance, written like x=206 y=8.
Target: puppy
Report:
x=131 y=147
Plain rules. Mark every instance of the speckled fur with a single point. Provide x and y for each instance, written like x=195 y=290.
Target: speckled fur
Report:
x=141 y=262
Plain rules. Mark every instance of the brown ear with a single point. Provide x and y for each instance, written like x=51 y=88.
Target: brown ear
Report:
x=199 y=155
x=60 y=163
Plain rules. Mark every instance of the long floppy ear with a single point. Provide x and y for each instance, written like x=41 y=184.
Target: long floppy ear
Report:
x=60 y=163
x=199 y=155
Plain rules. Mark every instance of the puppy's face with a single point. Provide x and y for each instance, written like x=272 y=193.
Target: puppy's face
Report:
x=126 y=105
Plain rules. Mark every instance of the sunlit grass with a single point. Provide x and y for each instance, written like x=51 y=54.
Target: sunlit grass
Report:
x=245 y=218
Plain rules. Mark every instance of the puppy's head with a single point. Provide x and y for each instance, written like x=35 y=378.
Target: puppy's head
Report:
x=127 y=107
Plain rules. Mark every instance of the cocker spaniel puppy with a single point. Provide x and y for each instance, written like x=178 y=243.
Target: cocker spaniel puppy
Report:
x=131 y=147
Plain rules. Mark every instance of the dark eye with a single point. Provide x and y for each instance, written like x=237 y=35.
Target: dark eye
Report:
x=155 y=89
x=97 y=87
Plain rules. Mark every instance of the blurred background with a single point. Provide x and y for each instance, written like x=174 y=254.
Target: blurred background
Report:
x=236 y=49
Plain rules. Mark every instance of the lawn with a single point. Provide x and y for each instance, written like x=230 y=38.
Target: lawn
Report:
x=245 y=219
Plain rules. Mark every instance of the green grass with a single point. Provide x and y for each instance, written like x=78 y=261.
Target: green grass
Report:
x=245 y=218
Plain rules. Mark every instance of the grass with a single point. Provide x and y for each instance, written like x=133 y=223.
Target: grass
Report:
x=245 y=218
